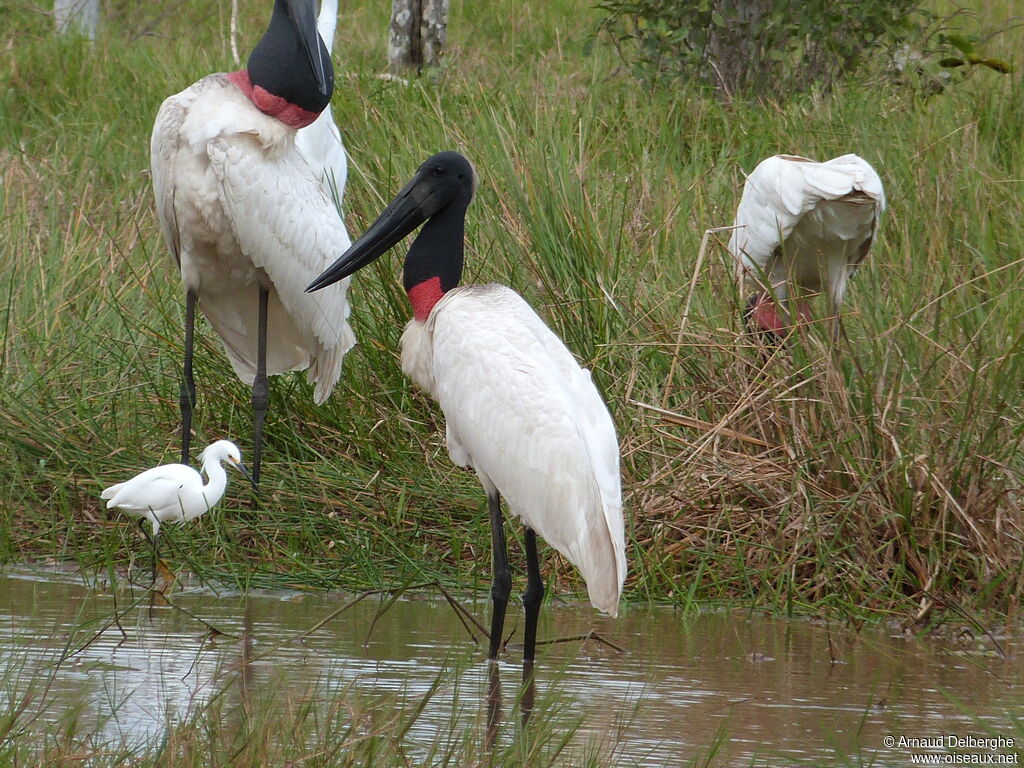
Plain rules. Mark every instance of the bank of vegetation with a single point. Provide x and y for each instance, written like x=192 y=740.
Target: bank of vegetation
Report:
x=881 y=478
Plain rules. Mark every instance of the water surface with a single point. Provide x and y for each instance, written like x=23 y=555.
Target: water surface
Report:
x=778 y=691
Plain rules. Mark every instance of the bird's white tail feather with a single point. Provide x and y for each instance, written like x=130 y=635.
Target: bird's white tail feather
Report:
x=111 y=492
x=594 y=554
x=325 y=369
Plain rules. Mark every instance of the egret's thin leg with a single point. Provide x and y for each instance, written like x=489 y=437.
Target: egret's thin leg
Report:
x=501 y=585
x=142 y=527
x=532 y=597
x=260 y=389
x=152 y=545
x=187 y=392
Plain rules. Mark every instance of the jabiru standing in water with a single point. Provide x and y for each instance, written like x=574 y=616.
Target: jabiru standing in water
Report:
x=806 y=226
x=246 y=219
x=518 y=408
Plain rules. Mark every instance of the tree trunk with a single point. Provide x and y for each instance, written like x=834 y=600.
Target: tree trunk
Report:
x=417 y=34
x=77 y=17
x=733 y=50
x=433 y=30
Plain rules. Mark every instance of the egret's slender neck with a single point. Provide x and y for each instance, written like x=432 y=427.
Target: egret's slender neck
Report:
x=434 y=263
x=216 y=481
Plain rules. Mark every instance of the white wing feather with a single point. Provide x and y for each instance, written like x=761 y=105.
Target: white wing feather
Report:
x=821 y=212
x=155 y=489
x=320 y=143
x=321 y=146
x=292 y=243
x=239 y=207
x=521 y=412
x=326 y=22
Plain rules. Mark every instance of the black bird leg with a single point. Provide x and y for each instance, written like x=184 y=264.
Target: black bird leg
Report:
x=529 y=693
x=260 y=389
x=532 y=597
x=187 y=392
x=493 y=706
x=501 y=585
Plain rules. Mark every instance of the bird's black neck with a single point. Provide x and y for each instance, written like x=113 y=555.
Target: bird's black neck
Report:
x=433 y=265
x=279 y=65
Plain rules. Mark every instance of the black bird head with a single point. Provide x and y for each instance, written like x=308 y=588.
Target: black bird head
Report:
x=439 y=194
x=290 y=61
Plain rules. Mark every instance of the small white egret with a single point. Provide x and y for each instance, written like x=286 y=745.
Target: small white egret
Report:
x=175 y=493
x=246 y=219
x=518 y=407
x=320 y=143
x=806 y=225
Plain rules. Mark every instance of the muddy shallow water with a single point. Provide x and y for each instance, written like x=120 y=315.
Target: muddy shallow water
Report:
x=780 y=691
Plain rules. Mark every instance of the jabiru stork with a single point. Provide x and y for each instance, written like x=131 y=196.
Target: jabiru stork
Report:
x=246 y=219
x=518 y=408
x=806 y=226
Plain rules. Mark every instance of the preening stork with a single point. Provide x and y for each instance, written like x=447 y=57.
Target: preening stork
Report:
x=804 y=225
x=518 y=407
x=246 y=219
x=320 y=143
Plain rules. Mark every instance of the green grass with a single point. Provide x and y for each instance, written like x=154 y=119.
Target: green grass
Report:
x=883 y=480
x=322 y=723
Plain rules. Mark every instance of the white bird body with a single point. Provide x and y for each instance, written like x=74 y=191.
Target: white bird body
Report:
x=527 y=418
x=518 y=407
x=320 y=143
x=806 y=224
x=175 y=493
x=240 y=208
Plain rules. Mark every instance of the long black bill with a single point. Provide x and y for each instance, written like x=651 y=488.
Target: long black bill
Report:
x=241 y=468
x=303 y=15
x=407 y=211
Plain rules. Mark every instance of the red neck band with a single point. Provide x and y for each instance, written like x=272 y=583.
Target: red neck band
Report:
x=275 y=106
x=423 y=296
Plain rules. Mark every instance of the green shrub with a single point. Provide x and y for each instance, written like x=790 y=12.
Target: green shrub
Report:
x=754 y=47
